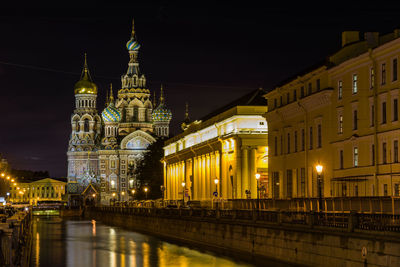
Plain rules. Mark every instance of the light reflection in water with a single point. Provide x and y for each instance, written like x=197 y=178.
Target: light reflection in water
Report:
x=89 y=243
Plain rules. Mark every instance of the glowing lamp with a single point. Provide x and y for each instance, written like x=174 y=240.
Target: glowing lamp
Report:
x=216 y=181
x=258 y=176
x=319 y=168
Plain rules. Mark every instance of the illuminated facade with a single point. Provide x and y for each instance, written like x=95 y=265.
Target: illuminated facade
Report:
x=229 y=145
x=104 y=150
x=34 y=192
x=356 y=104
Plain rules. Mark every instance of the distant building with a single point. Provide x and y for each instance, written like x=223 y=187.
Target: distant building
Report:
x=229 y=145
x=42 y=190
x=104 y=150
x=344 y=115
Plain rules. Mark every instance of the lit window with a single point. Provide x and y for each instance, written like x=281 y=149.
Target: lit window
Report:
x=355 y=156
x=371 y=78
x=355 y=88
x=340 y=89
x=340 y=123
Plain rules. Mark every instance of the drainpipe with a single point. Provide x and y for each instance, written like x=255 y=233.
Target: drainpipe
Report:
x=375 y=90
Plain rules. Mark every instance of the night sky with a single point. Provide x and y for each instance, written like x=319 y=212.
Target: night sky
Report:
x=206 y=54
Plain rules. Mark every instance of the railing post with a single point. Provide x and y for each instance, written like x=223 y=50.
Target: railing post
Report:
x=352 y=223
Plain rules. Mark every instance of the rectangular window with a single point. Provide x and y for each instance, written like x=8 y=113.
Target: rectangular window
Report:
x=355 y=156
x=341 y=159
x=383 y=74
x=303 y=182
x=344 y=190
x=372 y=115
x=356 y=190
x=395 y=110
x=275 y=103
x=385 y=190
x=294 y=95
x=281 y=102
x=396 y=151
x=373 y=154
x=276 y=146
x=396 y=190
x=295 y=141
x=383 y=112
x=288 y=143
x=355 y=119
x=318 y=84
x=340 y=89
x=302 y=92
x=384 y=159
x=281 y=144
x=309 y=88
x=340 y=123
x=355 y=87
x=287 y=98
x=319 y=134
x=394 y=69
x=303 y=139
x=371 y=78
x=311 y=138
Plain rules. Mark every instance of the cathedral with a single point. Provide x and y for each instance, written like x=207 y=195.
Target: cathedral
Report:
x=104 y=149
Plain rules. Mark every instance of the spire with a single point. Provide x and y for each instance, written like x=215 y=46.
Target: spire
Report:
x=85 y=72
x=154 y=99
x=161 y=95
x=187 y=112
x=111 y=95
x=133 y=27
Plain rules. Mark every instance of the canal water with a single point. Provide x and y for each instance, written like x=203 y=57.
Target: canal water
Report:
x=58 y=242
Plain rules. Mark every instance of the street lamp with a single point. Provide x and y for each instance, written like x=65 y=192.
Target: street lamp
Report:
x=145 y=191
x=319 y=169
x=216 y=191
x=162 y=188
x=258 y=190
x=3 y=174
x=183 y=193
x=113 y=194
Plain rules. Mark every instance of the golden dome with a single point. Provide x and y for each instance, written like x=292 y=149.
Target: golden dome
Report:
x=85 y=85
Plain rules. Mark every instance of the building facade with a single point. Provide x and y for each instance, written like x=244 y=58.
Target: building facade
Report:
x=42 y=190
x=352 y=112
x=220 y=155
x=104 y=150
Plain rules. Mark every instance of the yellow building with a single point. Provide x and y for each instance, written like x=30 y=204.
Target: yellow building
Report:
x=342 y=115
x=228 y=147
x=42 y=190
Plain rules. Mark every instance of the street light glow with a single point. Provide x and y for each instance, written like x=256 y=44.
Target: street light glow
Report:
x=258 y=176
x=183 y=184
x=145 y=189
x=319 y=168
x=133 y=191
x=3 y=174
x=216 y=181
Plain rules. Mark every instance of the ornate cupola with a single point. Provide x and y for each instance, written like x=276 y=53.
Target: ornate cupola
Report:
x=161 y=117
x=111 y=117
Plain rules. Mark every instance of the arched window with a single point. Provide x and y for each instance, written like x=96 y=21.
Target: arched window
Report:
x=86 y=125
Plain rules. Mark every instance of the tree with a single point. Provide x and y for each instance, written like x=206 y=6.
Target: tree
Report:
x=149 y=171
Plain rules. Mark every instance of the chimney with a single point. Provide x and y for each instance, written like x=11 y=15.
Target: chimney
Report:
x=372 y=39
x=349 y=37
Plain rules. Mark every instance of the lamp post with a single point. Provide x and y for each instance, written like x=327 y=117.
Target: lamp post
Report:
x=319 y=169
x=113 y=194
x=258 y=191
x=145 y=191
x=183 y=193
x=133 y=194
x=162 y=188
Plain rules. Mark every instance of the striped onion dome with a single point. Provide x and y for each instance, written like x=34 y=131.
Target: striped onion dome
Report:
x=111 y=114
x=132 y=45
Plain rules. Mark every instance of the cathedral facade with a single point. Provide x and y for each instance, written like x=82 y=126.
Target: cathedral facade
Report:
x=104 y=149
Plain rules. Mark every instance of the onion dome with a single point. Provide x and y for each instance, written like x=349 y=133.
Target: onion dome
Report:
x=111 y=113
x=85 y=85
x=162 y=113
x=133 y=44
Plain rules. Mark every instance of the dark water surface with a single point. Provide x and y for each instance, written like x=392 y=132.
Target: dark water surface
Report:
x=58 y=242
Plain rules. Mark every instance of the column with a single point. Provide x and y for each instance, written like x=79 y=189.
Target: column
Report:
x=195 y=179
x=165 y=179
x=238 y=181
x=217 y=172
x=203 y=177
x=253 y=181
x=224 y=176
x=245 y=171
x=208 y=178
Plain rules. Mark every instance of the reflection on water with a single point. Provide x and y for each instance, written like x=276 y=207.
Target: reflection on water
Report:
x=90 y=243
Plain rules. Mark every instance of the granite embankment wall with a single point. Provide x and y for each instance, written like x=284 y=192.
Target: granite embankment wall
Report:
x=307 y=244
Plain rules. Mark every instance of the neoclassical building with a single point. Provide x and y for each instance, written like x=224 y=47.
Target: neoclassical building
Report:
x=104 y=150
x=229 y=145
x=342 y=115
